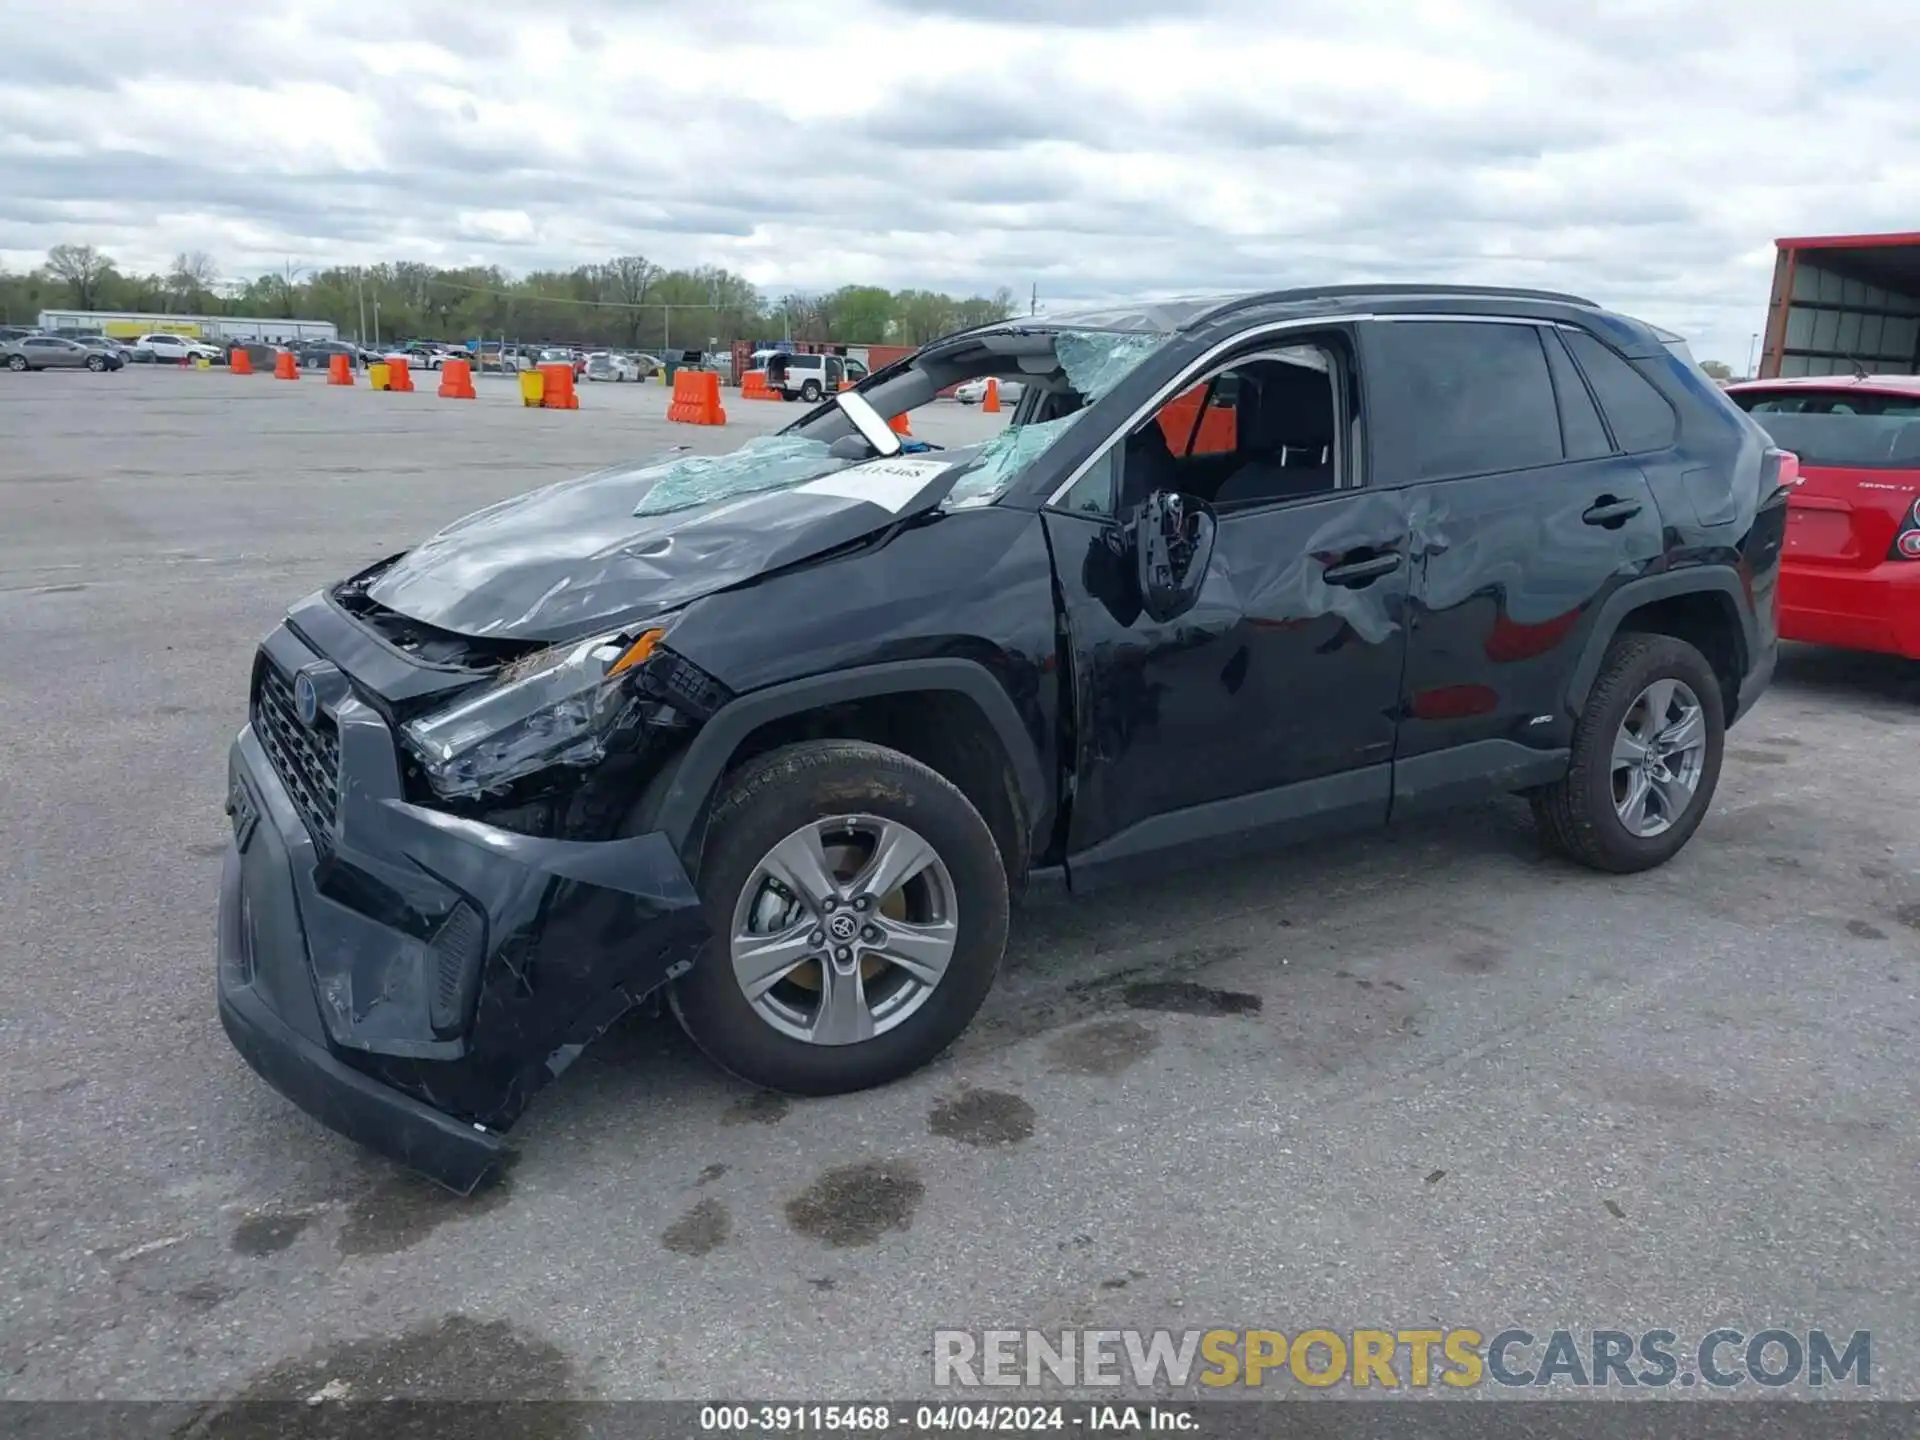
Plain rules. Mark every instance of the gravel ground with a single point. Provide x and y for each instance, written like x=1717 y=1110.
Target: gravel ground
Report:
x=1426 y=1078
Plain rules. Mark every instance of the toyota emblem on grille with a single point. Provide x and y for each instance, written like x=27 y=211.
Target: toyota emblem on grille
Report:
x=306 y=698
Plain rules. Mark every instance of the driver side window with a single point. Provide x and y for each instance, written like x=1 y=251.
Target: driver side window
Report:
x=1260 y=430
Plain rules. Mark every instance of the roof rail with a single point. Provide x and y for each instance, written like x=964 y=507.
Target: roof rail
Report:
x=1360 y=292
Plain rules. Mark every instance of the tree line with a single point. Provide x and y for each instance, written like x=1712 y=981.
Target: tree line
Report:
x=627 y=301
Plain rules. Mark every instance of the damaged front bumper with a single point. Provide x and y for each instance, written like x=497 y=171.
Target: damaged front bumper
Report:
x=410 y=978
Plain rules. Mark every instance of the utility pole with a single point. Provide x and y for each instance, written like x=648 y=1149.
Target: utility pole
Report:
x=1753 y=350
x=1033 y=303
x=360 y=290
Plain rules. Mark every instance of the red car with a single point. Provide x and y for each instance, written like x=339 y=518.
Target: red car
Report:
x=1850 y=574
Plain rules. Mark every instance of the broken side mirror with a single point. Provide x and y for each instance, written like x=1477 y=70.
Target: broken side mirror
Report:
x=1173 y=542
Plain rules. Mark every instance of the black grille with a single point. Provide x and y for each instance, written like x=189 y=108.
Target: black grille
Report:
x=305 y=757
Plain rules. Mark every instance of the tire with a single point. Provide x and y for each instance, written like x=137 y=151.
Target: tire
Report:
x=1580 y=815
x=811 y=392
x=17 y=364
x=767 y=803
x=96 y=364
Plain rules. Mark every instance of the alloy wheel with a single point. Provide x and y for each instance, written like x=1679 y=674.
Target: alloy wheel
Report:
x=844 y=929
x=1659 y=755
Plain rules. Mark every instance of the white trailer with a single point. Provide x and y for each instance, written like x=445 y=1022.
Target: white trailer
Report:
x=218 y=329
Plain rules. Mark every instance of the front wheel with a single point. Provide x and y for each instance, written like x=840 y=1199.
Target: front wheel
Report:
x=96 y=364
x=859 y=907
x=1646 y=758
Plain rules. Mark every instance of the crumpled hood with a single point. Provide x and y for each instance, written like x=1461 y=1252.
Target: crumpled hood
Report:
x=627 y=543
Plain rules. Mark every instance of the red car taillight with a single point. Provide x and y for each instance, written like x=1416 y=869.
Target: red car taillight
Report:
x=1906 y=545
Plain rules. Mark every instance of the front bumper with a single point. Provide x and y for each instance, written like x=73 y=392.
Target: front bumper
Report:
x=411 y=978
x=1874 y=609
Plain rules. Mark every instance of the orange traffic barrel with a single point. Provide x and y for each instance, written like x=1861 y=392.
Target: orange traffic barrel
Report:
x=696 y=398
x=557 y=391
x=456 y=380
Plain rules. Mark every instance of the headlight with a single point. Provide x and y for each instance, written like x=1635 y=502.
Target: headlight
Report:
x=555 y=707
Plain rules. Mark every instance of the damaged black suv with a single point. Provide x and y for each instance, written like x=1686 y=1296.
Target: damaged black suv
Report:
x=784 y=730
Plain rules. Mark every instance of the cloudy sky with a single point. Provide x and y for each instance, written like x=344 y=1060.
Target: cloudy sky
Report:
x=1643 y=152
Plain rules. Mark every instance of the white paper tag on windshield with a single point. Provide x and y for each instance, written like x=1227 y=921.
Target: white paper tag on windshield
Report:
x=888 y=483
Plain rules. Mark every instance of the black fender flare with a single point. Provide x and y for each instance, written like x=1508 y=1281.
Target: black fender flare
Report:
x=699 y=767
x=1693 y=580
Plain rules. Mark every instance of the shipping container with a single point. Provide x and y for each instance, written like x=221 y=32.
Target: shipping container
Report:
x=1844 y=305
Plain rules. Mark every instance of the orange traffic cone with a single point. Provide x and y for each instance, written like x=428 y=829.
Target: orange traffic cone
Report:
x=239 y=362
x=398 y=377
x=991 y=404
x=899 y=424
x=339 y=370
x=285 y=367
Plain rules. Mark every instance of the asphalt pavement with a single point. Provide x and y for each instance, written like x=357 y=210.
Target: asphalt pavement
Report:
x=1428 y=1078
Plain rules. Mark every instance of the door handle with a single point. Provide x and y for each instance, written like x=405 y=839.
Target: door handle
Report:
x=1362 y=572
x=1609 y=511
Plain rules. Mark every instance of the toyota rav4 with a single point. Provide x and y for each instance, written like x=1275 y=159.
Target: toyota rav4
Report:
x=779 y=734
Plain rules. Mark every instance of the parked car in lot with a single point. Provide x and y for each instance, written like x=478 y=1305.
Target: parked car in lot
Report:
x=562 y=355
x=808 y=377
x=119 y=354
x=417 y=355
x=52 y=352
x=612 y=365
x=174 y=350
x=778 y=735
x=318 y=354
x=1850 y=574
x=974 y=391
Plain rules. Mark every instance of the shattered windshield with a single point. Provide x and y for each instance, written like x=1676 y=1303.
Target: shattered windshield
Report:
x=1097 y=360
x=1004 y=457
x=1092 y=361
x=770 y=462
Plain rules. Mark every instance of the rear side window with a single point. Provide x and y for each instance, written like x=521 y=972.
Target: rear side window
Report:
x=1640 y=416
x=1580 y=423
x=1459 y=398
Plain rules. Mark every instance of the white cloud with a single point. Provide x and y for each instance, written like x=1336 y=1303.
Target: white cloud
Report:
x=1645 y=152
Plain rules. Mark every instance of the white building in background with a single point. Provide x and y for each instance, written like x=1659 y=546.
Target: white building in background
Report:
x=129 y=325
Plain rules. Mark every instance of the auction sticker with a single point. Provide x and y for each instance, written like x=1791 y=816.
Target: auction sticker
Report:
x=888 y=483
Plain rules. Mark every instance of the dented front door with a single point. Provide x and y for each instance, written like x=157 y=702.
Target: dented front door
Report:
x=1265 y=712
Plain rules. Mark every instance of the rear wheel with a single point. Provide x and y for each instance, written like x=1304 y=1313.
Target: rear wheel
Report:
x=860 y=911
x=1646 y=758
x=16 y=362
x=811 y=392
